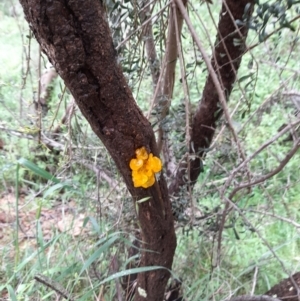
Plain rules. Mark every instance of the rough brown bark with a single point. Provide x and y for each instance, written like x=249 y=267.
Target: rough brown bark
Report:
x=76 y=38
x=286 y=290
x=226 y=60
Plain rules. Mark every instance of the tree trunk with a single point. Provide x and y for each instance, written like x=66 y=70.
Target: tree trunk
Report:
x=229 y=49
x=76 y=38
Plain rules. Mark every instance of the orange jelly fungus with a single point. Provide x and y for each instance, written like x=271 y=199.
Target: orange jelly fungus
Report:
x=143 y=168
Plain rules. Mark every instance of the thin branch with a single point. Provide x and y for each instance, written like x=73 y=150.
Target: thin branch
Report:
x=141 y=27
x=206 y=59
x=213 y=101
x=287 y=220
x=164 y=88
x=167 y=85
x=147 y=33
x=254 y=280
x=282 y=164
x=260 y=149
x=183 y=78
x=187 y=103
x=47 y=141
x=99 y=173
x=254 y=298
x=269 y=98
x=39 y=105
x=58 y=106
x=270 y=34
x=250 y=184
x=54 y=286
x=67 y=117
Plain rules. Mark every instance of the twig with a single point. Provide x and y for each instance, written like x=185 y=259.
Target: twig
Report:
x=58 y=106
x=254 y=298
x=66 y=118
x=47 y=141
x=39 y=105
x=54 y=286
x=147 y=32
x=187 y=104
x=140 y=27
x=254 y=280
x=282 y=164
x=276 y=216
x=260 y=149
x=269 y=98
x=270 y=34
x=167 y=84
x=99 y=173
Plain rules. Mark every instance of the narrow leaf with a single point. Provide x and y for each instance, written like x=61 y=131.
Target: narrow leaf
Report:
x=37 y=170
x=11 y=292
x=129 y=272
x=97 y=253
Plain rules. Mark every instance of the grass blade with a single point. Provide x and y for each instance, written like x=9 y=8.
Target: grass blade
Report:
x=98 y=252
x=38 y=171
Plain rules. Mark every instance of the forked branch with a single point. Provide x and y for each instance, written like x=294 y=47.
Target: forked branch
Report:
x=222 y=69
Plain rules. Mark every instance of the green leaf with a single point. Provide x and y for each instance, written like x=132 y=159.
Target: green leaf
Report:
x=11 y=292
x=103 y=239
x=55 y=187
x=35 y=253
x=262 y=35
x=241 y=79
x=130 y=272
x=247 y=8
x=95 y=224
x=87 y=296
x=143 y=200
x=250 y=64
x=37 y=170
x=98 y=252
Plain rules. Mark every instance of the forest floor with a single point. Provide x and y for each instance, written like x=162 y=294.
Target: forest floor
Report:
x=34 y=219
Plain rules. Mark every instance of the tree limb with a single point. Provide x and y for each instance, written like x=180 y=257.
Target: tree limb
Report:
x=222 y=71
x=76 y=38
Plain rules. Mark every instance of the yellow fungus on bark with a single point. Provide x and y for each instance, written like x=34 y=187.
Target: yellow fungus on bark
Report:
x=150 y=182
x=141 y=153
x=139 y=179
x=154 y=163
x=144 y=167
x=136 y=164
